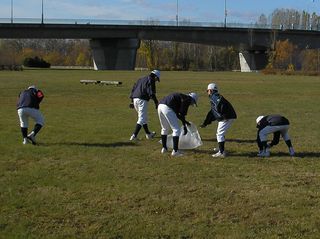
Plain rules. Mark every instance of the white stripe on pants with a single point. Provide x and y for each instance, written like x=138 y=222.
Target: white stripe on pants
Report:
x=25 y=113
x=168 y=119
x=263 y=134
x=222 y=128
x=141 y=106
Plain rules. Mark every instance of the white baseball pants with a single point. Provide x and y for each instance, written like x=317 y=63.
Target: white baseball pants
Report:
x=168 y=120
x=263 y=134
x=222 y=129
x=141 y=106
x=25 y=113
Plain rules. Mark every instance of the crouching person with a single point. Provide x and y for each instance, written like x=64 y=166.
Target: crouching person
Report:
x=171 y=108
x=222 y=111
x=28 y=106
x=276 y=124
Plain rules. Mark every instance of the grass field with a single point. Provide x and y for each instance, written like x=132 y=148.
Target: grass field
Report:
x=85 y=179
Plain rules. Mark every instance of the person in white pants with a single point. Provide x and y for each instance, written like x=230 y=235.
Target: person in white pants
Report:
x=222 y=111
x=276 y=125
x=28 y=105
x=142 y=91
x=171 y=108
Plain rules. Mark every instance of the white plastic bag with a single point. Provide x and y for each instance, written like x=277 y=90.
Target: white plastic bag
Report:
x=191 y=140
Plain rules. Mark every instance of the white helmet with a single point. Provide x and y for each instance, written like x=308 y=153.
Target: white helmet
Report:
x=212 y=86
x=259 y=118
x=194 y=96
x=32 y=87
x=156 y=73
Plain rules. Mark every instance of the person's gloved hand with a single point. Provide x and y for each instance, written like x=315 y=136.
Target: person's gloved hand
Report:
x=185 y=130
x=131 y=106
x=203 y=126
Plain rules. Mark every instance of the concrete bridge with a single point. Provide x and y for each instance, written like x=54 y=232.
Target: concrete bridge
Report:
x=114 y=47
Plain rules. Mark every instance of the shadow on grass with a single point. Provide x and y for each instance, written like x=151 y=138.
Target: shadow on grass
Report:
x=254 y=154
x=102 y=145
x=298 y=154
x=240 y=141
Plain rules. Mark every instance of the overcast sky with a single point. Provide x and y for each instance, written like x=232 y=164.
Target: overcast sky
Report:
x=239 y=11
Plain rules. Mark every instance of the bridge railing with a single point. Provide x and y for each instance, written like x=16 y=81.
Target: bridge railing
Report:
x=156 y=23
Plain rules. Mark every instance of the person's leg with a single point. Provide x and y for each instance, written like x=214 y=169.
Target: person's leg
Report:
x=174 y=125
x=165 y=126
x=286 y=138
x=222 y=129
x=138 y=106
x=263 y=135
x=39 y=119
x=23 y=118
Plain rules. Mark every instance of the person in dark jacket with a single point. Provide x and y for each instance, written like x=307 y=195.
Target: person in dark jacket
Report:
x=222 y=111
x=276 y=124
x=171 y=108
x=144 y=90
x=28 y=105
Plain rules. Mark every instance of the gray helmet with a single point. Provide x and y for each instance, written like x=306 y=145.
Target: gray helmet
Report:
x=195 y=97
x=156 y=73
x=212 y=86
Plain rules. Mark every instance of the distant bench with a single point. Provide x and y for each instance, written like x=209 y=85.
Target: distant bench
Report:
x=103 y=82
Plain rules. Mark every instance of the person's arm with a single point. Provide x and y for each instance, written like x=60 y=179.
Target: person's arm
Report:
x=275 y=140
x=209 y=118
x=184 y=123
x=156 y=102
x=131 y=96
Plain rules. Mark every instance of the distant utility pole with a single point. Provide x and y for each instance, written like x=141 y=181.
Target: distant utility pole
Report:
x=177 y=15
x=11 y=11
x=41 y=11
x=225 y=13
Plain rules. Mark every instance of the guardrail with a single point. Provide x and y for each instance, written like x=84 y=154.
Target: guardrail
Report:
x=157 y=23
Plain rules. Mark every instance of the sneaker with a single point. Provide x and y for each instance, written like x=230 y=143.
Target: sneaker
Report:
x=291 y=151
x=151 y=135
x=32 y=138
x=219 y=155
x=133 y=138
x=176 y=153
x=264 y=153
x=25 y=141
x=164 y=150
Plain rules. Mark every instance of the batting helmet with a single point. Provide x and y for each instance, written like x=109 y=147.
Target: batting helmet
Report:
x=195 y=97
x=156 y=73
x=212 y=86
x=259 y=118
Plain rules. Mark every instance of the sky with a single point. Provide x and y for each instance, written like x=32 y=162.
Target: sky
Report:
x=238 y=11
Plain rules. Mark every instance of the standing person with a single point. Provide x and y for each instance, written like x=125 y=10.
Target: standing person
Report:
x=171 y=108
x=28 y=106
x=222 y=111
x=144 y=90
x=276 y=124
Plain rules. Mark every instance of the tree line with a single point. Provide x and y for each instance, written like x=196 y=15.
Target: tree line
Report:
x=176 y=56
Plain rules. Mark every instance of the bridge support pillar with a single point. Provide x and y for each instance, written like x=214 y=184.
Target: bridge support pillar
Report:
x=114 y=53
x=252 y=60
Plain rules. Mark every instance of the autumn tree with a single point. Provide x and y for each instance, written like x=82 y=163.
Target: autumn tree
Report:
x=284 y=55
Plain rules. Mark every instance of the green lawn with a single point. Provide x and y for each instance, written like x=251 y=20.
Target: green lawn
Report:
x=85 y=179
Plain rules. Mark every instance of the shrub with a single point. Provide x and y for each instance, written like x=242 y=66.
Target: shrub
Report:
x=36 y=62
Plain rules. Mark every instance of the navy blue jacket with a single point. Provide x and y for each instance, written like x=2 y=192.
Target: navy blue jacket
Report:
x=271 y=120
x=179 y=103
x=30 y=98
x=221 y=109
x=145 y=89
